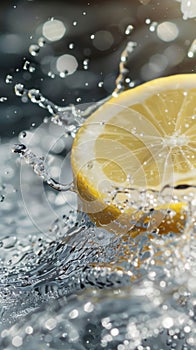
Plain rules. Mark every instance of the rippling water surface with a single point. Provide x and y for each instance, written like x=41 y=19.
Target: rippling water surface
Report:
x=66 y=284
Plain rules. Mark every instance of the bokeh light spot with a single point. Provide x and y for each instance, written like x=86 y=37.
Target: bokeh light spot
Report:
x=66 y=64
x=167 y=31
x=53 y=30
x=103 y=40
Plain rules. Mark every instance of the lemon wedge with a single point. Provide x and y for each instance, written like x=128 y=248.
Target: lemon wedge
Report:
x=134 y=157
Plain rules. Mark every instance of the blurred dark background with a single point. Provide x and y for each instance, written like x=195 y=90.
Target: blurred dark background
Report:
x=70 y=50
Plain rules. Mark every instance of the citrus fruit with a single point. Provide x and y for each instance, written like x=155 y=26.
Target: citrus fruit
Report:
x=135 y=157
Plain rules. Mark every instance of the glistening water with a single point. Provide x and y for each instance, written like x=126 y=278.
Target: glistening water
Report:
x=66 y=284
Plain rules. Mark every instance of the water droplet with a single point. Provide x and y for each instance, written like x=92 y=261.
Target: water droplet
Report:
x=131 y=46
x=100 y=84
x=86 y=63
x=34 y=49
x=9 y=242
x=22 y=135
x=192 y=49
x=41 y=42
x=17 y=341
x=9 y=79
x=73 y=314
x=51 y=75
x=26 y=65
x=153 y=26
x=129 y=29
x=2 y=197
x=3 y=99
x=148 y=21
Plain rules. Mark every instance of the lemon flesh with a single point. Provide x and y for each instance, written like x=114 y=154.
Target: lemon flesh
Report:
x=132 y=148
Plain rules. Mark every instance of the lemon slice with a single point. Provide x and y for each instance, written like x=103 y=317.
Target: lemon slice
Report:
x=135 y=152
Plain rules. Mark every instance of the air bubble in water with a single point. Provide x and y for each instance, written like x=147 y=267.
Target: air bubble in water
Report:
x=34 y=50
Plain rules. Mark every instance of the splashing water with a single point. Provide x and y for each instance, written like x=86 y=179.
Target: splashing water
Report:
x=68 y=284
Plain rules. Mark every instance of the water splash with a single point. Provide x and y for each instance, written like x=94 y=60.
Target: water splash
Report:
x=39 y=168
x=136 y=291
x=124 y=80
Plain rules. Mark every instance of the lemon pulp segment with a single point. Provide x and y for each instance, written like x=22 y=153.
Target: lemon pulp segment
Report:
x=134 y=146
